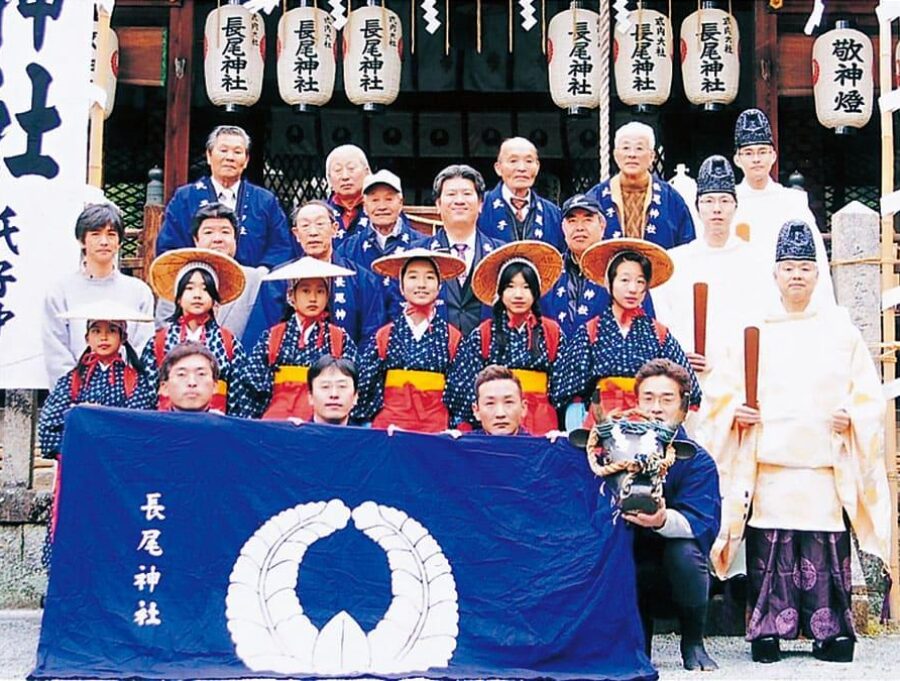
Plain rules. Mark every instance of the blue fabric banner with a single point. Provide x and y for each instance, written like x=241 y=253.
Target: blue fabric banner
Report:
x=202 y=546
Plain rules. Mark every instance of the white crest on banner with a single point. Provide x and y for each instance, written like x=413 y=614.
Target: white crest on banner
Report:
x=430 y=14
x=339 y=13
x=527 y=14
x=261 y=5
x=271 y=632
x=623 y=20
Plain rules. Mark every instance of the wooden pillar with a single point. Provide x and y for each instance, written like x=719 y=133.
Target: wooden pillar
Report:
x=178 y=96
x=766 y=66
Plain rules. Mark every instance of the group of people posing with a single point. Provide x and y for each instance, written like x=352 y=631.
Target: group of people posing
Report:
x=512 y=319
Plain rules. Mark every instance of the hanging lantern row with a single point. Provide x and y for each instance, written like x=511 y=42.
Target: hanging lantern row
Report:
x=843 y=78
x=107 y=61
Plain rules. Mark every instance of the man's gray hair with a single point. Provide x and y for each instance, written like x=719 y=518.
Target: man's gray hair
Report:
x=220 y=130
x=516 y=140
x=343 y=149
x=636 y=129
x=458 y=170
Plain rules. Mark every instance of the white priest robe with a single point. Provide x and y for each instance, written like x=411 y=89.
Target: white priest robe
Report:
x=792 y=471
x=764 y=211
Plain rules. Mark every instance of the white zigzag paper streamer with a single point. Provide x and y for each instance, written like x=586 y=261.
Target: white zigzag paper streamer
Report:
x=527 y=14
x=623 y=23
x=338 y=12
x=430 y=14
x=261 y=5
x=815 y=17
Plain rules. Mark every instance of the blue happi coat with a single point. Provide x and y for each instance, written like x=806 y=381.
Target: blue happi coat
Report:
x=458 y=304
x=357 y=304
x=263 y=234
x=359 y=221
x=104 y=387
x=543 y=222
x=363 y=249
x=430 y=353
x=668 y=220
x=613 y=354
x=259 y=375
x=231 y=368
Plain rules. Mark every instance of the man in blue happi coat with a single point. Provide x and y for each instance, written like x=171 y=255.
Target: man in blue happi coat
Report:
x=635 y=202
x=346 y=167
x=357 y=304
x=459 y=196
x=672 y=546
x=387 y=230
x=513 y=210
x=262 y=226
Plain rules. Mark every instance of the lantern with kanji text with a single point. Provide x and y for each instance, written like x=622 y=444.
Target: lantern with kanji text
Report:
x=574 y=60
x=234 y=47
x=306 y=47
x=710 y=63
x=843 y=80
x=373 y=50
x=105 y=57
x=643 y=59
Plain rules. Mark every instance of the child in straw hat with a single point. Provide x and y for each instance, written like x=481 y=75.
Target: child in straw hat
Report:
x=403 y=368
x=512 y=279
x=197 y=280
x=277 y=372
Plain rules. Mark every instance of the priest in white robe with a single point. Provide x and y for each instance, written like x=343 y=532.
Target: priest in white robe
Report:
x=764 y=205
x=796 y=469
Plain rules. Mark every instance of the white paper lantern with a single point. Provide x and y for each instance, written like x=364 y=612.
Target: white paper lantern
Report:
x=710 y=65
x=307 y=43
x=643 y=60
x=108 y=62
x=373 y=49
x=573 y=57
x=843 y=80
x=234 y=47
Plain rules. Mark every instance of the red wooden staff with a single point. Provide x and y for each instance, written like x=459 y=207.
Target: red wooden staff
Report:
x=701 y=293
x=751 y=366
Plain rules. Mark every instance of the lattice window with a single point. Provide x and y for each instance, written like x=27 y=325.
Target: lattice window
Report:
x=294 y=179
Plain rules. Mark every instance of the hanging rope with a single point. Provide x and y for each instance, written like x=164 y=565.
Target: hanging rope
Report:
x=603 y=123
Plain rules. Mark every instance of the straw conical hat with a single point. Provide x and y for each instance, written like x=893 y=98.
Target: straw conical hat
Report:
x=105 y=310
x=167 y=269
x=308 y=268
x=448 y=266
x=595 y=260
x=546 y=260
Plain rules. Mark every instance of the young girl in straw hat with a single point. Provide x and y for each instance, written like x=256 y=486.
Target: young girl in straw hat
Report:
x=606 y=353
x=512 y=279
x=197 y=280
x=403 y=368
x=277 y=371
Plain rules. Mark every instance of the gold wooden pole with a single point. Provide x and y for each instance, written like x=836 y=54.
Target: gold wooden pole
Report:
x=889 y=281
x=95 y=140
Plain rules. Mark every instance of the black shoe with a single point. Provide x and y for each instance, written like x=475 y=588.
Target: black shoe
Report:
x=839 y=649
x=694 y=657
x=647 y=625
x=693 y=654
x=765 y=650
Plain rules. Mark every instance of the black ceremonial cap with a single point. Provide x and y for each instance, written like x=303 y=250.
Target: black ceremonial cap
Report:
x=795 y=242
x=716 y=176
x=752 y=127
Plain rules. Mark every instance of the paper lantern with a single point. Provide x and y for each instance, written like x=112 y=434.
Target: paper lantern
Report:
x=109 y=62
x=307 y=43
x=843 y=81
x=643 y=60
x=710 y=66
x=573 y=57
x=373 y=49
x=234 y=47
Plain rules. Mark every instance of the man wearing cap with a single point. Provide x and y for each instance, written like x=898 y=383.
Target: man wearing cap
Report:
x=764 y=205
x=735 y=277
x=636 y=203
x=574 y=299
x=346 y=167
x=214 y=227
x=262 y=226
x=357 y=304
x=459 y=196
x=802 y=464
x=100 y=231
x=513 y=210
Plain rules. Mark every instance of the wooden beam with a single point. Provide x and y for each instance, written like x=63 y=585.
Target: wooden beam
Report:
x=768 y=73
x=142 y=55
x=796 y=49
x=178 y=96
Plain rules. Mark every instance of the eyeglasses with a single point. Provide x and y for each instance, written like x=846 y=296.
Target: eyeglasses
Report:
x=762 y=152
x=724 y=201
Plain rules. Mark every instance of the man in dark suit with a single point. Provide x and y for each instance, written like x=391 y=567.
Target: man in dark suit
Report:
x=459 y=196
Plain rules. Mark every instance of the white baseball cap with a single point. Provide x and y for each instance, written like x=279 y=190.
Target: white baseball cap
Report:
x=382 y=177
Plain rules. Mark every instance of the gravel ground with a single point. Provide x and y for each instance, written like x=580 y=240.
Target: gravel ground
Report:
x=876 y=658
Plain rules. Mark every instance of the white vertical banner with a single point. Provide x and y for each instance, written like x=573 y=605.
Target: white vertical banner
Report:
x=45 y=60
